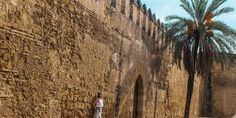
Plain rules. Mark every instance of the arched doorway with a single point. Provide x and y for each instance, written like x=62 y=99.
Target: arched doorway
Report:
x=138 y=98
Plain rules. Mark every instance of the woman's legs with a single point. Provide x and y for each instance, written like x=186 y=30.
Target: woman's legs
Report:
x=99 y=112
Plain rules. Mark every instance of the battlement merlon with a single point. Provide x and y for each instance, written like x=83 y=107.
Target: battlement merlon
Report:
x=132 y=10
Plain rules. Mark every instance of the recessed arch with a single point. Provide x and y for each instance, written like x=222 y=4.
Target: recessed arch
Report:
x=127 y=89
x=138 y=98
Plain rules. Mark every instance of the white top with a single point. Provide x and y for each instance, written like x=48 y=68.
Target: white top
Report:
x=99 y=103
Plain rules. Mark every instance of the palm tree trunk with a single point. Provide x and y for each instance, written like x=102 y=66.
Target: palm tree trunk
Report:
x=189 y=95
x=206 y=105
x=192 y=65
x=209 y=95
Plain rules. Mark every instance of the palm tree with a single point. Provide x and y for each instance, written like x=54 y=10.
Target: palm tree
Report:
x=199 y=41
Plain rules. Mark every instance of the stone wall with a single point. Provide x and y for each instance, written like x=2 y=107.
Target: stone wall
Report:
x=224 y=90
x=55 y=55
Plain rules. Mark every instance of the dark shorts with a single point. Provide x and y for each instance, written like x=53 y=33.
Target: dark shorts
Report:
x=98 y=109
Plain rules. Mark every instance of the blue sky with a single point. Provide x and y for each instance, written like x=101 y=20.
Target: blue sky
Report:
x=163 y=8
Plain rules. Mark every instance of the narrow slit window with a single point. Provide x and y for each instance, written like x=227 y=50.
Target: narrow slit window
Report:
x=123 y=6
x=113 y=3
x=131 y=10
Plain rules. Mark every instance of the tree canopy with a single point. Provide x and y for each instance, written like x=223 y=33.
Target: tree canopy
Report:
x=216 y=39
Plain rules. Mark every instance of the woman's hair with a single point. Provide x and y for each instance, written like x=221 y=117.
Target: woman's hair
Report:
x=99 y=95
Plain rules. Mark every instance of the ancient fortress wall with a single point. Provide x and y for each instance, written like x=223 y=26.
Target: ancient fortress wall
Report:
x=224 y=91
x=55 y=55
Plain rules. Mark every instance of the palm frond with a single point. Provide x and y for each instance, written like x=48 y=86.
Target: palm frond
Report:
x=218 y=56
x=187 y=7
x=222 y=45
x=223 y=11
x=175 y=17
x=188 y=56
x=215 y=45
x=194 y=4
x=224 y=41
x=201 y=10
x=205 y=57
x=180 y=35
x=177 y=53
x=224 y=28
x=214 y=5
x=176 y=31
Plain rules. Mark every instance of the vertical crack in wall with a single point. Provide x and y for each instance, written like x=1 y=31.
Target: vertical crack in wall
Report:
x=118 y=86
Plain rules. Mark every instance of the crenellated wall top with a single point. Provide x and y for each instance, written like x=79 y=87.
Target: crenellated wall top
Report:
x=133 y=10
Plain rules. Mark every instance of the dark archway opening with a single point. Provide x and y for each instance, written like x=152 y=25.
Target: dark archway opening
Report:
x=138 y=98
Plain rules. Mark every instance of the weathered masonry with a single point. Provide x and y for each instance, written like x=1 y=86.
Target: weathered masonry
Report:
x=55 y=55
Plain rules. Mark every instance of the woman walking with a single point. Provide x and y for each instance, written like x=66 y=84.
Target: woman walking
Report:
x=98 y=104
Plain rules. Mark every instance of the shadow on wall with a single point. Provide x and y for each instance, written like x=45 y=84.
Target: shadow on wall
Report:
x=92 y=109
